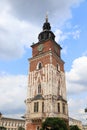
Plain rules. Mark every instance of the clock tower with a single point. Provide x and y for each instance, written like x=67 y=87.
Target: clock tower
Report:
x=46 y=92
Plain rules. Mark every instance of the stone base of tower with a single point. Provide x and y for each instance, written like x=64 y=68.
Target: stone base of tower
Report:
x=67 y=122
x=37 y=124
x=34 y=125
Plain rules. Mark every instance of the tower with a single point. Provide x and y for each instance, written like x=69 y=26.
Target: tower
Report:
x=46 y=93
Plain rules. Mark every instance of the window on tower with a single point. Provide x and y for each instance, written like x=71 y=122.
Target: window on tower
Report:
x=58 y=107
x=63 y=108
x=36 y=106
x=39 y=65
x=39 y=88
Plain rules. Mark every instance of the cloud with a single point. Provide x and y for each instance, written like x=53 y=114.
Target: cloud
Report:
x=76 y=83
x=35 y=10
x=61 y=36
x=14 y=36
x=76 y=108
x=12 y=93
x=76 y=77
x=18 y=23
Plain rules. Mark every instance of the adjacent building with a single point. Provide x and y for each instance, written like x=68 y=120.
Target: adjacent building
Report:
x=73 y=121
x=11 y=123
x=84 y=127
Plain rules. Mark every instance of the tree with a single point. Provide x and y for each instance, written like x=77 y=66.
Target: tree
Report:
x=54 y=124
x=20 y=128
x=74 y=127
x=2 y=128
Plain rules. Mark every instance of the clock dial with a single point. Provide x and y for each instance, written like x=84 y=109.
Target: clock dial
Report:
x=40 y=47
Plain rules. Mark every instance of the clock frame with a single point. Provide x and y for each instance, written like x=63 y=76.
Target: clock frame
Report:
x=40 y=47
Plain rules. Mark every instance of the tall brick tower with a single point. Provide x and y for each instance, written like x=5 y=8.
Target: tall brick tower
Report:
x=46 y=92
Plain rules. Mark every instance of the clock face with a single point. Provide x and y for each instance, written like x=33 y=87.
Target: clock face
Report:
x=40 y=47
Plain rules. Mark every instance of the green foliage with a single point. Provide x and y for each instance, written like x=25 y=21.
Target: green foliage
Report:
x=74 y=127
x=20 y=128
x=54 y=124
x=2 y=128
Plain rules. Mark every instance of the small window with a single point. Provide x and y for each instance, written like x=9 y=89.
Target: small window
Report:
x=39 y=65
x=36 y=106
x=39 y=88
x=58 y=107
x=64 y=108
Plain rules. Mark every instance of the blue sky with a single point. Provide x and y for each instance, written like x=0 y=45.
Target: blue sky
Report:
x=20 y=24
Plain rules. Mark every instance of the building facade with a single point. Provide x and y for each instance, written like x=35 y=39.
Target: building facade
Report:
x=46 y=93
x=11 y=123
x=75 y=122
x=84 y=127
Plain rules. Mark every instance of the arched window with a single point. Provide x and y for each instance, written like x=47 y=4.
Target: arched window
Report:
x=39 y=88
x=39 y=65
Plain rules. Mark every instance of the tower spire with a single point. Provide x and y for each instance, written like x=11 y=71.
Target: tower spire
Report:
x=46 y=33
x=46 y=25
x=46 y=17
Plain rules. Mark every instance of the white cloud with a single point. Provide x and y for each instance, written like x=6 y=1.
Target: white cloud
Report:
x=30 y=10
x=76 y=77
x=61 y=36
x=18 y=28
x=12 y=93
x=14 y=35
x=76 y=108
x=76 y=34
x=76 y=83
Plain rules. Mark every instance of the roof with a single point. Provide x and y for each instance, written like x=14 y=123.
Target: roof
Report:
x=38 y=97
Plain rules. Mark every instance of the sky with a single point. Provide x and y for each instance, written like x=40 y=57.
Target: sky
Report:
x=20 y=23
